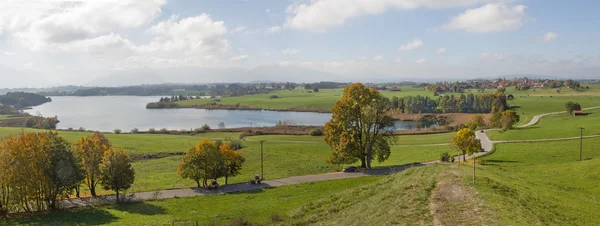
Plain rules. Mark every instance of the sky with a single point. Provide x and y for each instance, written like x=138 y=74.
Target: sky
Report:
x=54 y=42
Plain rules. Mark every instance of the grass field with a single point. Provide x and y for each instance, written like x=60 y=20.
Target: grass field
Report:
x=284 y=155
x=325 y=99
x=542 y=183
x=257 y=206
x=554 y=126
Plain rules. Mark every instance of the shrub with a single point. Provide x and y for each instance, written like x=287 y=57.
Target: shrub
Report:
x=205 y=127
x=445 y=157
x=273 y=97
x=151 y=130
x=316 y=132
x=234 y=144
x=164 y=131
x=81 y=129
x=117 y=131
x=70 y=129
x=135 y=130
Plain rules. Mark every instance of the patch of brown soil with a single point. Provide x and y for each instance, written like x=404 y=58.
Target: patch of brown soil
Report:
x=453 y=203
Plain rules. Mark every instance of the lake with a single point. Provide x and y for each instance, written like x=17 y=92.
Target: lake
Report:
x=106 y=113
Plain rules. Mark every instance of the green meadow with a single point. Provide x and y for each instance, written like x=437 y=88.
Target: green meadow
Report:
x=542 y=183
x=554 y=126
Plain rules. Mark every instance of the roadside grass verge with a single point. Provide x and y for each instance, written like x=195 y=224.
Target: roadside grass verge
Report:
x=542 y=183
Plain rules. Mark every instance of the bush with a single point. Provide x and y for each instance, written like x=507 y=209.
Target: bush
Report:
x=273 y=97
x=135 y=130
x=234 y=144
x=164 y=131
x=81 y=129
x=151 y=130
x=117 y=131
x=316 y=132
x=205 y=127
x=70 y=129
x=445 y=157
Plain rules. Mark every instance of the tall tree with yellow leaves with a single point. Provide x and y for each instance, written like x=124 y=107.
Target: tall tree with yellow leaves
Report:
x=91 y=150
x=360 y=128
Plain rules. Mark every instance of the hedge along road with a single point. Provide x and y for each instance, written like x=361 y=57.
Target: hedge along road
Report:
x=486 y=144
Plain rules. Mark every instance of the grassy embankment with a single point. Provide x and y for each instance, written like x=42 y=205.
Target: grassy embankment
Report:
x=542 y=183
x=284 y=155
x=554 y=126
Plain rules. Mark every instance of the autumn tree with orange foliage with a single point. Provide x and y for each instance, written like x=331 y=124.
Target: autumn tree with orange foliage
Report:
x=360 y=128
x=36 y=170
x=209 y=160
x=91 y=150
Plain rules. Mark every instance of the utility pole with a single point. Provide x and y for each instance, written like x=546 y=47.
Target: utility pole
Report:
x=581 y=143
x=262 y=173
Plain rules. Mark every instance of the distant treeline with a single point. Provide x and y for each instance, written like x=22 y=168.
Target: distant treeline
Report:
x=470 y=103
x=325 y=85
x=22 y=99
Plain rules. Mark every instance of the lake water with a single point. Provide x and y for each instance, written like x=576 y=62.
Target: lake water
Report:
x=106 y=113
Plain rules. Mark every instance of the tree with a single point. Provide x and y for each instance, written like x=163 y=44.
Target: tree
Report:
x=360 y=128
x=36 y=170
x=316 y=90
x=233 y=161
x=201 y=162
x=572 y=106
x=509 y=118
x=91 y=150
x=116 y=172
x=477 y=122
x=221 y=125
x=466 y=141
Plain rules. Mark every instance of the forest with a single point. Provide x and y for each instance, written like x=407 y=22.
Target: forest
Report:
x=469 y=103
x=22 y=99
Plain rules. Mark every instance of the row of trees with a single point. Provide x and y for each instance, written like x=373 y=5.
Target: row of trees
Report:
x=470 y=103
x=210 y=160
x=37 y=170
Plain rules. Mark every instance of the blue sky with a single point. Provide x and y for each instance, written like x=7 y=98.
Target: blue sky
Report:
x=55 y=42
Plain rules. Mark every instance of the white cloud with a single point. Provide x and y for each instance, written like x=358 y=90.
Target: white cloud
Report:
x=240 y=57
x=398 y=60
x=320 y=15
x=412 y=45
x=489 y=18
x=378 y=58
x=192 y=35
x=550 y=36
x=267 y=10
x=420 y=61
x=274 y=29
x=290 y=51
x=491 y=56
x=9 y=53
x=58 y=24
x=441 y=51
x=239 y=29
